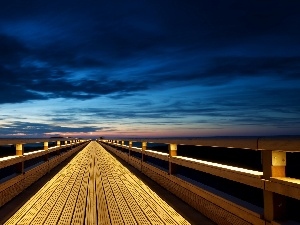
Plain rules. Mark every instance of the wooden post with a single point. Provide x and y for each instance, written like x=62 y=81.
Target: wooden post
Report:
x=172 y=152
x=58 y=145
x=46 y=145
x=46 y=158
x=144 y=158
x=130 y=146
x=20 y=152
x=144 y=147
x=19 y=149
x=274 y=163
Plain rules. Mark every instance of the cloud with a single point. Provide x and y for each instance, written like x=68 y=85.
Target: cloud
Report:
x=11 y=50
x=285 y=67
x=119 y=50
x=39 y=129
x=211 y=63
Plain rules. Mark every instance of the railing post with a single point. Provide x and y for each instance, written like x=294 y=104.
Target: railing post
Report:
x=58 y=145
x=274 y=163
x=46 y=158
x=144 y=158
x=46 y=145
x=144 y=147
x=172 y=152
x=130 y=147
x=19 y=149
x=20 y=152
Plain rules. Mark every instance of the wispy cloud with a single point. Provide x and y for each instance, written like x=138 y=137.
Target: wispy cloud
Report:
x=216 y=65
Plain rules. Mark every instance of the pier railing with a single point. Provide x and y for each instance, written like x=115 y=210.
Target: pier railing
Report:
x=222 y=208
x=24 y=161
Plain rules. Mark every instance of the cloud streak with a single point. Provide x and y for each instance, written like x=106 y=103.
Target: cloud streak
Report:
x=165 y=64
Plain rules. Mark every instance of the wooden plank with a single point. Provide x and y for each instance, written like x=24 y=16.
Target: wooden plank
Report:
x=103 y=213
x=135 y=149
x=27 y=213
x=162 y=210
x=110 y=199
x=125 y=211
x=285 y=186
x=247 y=213
x=24 y=210
x=137 y=163
x=10 y=160
x=35 y=173
x=79 y=211
x=133 y=205
x=67 y=213
x=32 y=207
x=158 y=155
x=144 y=208
x=34 y=154
x=241 y=175
x=12 y=191
x=50 y=202
x=119 y=174
x=57 y=210
x=5 y=185
x=116 y=215
x=148 y=211
x=91 y=213
x=218 y=214
x=168 y=214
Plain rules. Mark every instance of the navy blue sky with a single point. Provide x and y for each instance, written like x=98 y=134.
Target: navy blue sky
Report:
x=149 y=68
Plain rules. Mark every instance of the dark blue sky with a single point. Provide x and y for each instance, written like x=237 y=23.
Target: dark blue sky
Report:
x=149 y=68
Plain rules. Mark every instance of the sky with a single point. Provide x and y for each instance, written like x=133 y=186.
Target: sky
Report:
x=149 y=68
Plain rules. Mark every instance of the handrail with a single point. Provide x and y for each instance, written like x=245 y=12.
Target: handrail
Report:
x=22 y=178
x=282 y=143
x=12 y=141
x=241 y=175
x=272 y=180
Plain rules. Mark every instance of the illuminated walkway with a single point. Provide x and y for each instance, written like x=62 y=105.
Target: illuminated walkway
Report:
x=95 y=188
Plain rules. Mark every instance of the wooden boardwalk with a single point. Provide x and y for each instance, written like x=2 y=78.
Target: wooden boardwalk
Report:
x=95 y=188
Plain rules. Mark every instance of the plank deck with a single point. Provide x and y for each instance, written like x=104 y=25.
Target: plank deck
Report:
x=95 y=188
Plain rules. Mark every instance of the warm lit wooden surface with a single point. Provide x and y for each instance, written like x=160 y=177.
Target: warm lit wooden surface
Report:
x=94 y=188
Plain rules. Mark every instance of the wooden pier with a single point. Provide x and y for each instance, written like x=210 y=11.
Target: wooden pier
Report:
x=95 y=188
x=98 y=187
